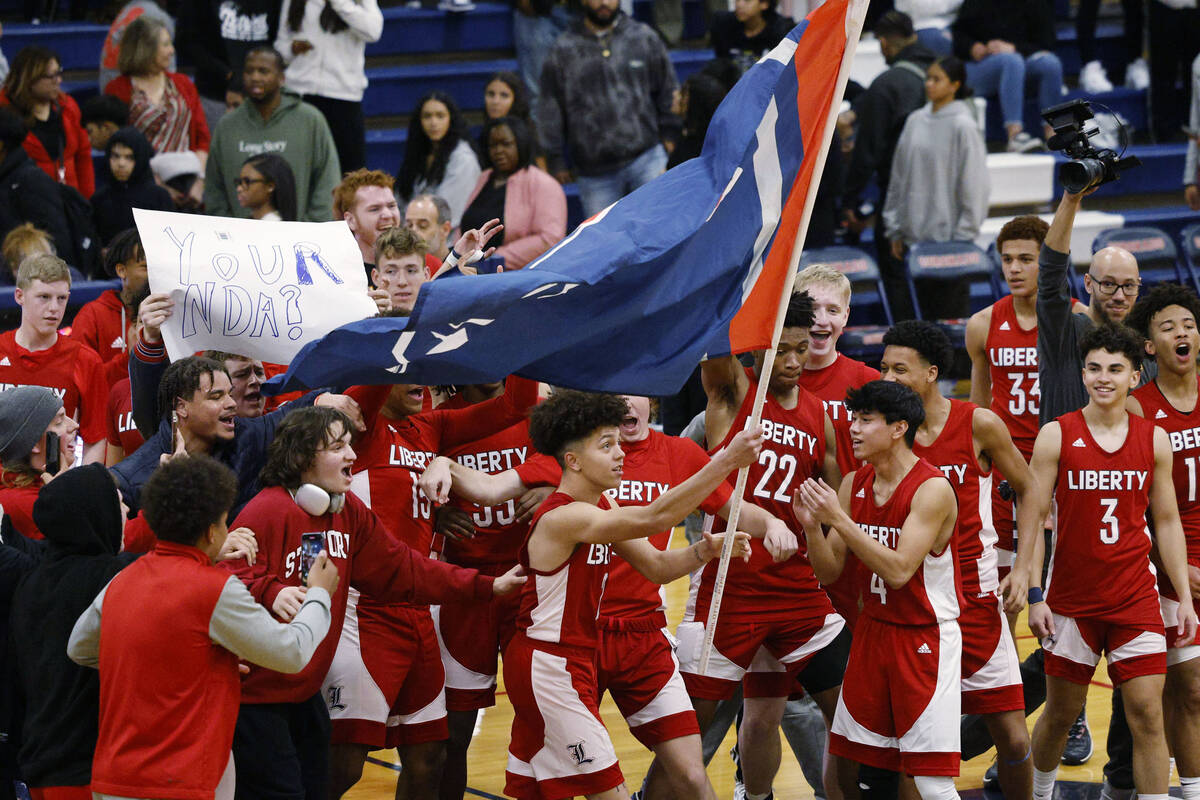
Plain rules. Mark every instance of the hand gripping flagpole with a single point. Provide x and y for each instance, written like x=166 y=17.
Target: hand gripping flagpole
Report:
x=855 y=14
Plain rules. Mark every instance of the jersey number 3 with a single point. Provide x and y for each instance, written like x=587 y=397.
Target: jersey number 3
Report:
x=1110 y=532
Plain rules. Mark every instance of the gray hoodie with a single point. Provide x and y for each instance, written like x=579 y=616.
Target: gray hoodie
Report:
x=939 y=183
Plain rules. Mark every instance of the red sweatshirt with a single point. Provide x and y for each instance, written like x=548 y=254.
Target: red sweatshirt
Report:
x=103 y=325
x=367 y=558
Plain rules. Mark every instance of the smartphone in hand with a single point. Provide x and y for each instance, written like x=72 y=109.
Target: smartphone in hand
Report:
x=311 y=545
x=53 y=453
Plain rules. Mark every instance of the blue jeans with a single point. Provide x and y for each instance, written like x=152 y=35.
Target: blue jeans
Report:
x=532 y=37
x=937 y=40
x=598 y=192
x=1005 y=75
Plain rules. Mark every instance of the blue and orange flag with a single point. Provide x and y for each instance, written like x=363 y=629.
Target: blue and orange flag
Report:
x=690 y=265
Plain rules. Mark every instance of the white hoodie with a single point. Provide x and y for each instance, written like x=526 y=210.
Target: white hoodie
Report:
x=334 y=67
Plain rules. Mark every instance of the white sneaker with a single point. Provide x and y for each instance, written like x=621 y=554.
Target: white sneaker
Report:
x=456 y=6
x=1024 y=143
x=1093 y=79
x=1137 y=75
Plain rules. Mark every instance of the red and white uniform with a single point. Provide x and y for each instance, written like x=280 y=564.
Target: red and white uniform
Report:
x=637 y=654
x=472 y=635
x=388 y=674
x=71 y=369
x=830 y=384
x=122 y=432
x=1103 y=541
x=1183 y=430
x=899 y=706
x=991 y=670
x=779 y=607
x=1016 y=396
x=103 y=325
x=558 y=747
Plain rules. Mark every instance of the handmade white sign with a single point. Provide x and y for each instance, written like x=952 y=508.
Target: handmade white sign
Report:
x=259 y=289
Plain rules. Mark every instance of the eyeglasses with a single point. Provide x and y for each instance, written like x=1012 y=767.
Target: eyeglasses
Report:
x=1110 y=288
x=53 y=76
x=246 y=183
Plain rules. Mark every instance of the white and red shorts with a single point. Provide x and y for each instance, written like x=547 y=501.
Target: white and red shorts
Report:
x=899 y=708
x=637 y=666
x=471 y=637
x=991 y=669
x=1132 y=650
x=559 y=747
x=1178 y=651
x=768 y=654
x=385 y=687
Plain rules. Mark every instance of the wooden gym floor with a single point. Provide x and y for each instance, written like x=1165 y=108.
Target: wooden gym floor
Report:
x=489 y=750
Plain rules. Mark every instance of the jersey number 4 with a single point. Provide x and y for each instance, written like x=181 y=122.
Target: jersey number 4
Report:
x=880 y=588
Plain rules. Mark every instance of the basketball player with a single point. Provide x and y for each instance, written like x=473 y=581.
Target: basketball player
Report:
x=900 y=702
x=968 y=444
x=1107 y=469
x=1166 y=317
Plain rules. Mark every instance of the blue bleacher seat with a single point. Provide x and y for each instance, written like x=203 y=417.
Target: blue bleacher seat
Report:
x=863 y=337
x=78 y=44
x=1190 y=239
x=1158 y=260
x=950 y=261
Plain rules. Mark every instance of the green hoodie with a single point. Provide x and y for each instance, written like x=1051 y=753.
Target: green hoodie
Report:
x=296 y=131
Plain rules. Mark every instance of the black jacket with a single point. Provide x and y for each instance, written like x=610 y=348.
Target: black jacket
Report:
x=729 y=39
x=882 y=110
x=217 y=34
x=1028 y=24
x=80 y=516
x=112 y=206
x=29 y=195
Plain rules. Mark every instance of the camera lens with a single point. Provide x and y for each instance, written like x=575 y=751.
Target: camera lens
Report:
x=1075 y=176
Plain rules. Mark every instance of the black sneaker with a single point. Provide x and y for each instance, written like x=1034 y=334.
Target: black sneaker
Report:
x=1079 y=742
x=991 y=779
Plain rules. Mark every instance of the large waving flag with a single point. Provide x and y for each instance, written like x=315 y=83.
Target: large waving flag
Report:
x=691 y=264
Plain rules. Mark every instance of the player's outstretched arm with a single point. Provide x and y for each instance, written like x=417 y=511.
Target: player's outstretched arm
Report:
x=826 y=550
x=981 y=375
x=445 y=474
x=664 y=566
x=995 y=440
x=929 y=525
x=725 y=384
x=1168 y=533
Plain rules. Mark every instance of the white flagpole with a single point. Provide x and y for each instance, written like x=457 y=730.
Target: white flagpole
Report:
x=855 y=15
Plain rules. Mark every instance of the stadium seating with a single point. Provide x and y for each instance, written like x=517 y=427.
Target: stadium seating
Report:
x=1157 y=258
x=951 y=262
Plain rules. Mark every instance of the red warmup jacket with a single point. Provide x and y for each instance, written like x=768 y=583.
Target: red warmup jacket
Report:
x=75 y=162
x=102 y=326
x=367 y=558
x=121 y=88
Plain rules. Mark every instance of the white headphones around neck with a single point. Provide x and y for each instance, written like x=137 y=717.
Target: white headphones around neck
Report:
x=316 y=501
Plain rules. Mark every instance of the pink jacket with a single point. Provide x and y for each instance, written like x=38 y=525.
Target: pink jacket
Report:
x=535 y=214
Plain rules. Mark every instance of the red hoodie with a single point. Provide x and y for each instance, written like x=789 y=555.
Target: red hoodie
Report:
x=74 y=165
x=103 y=325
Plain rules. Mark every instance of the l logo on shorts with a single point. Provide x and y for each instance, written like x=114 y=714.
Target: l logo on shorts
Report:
x=579 y=754
x=335 y=699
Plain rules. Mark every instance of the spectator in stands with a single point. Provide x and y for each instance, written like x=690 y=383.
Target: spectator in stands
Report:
x=752 y=28
x=1174 y=35
x=27 y=415
x=1093 y=78
x=36 y=354
x=220 y=33
x=56 y=140
x=1007 y=45
x=325 y=46
x=364 y=199
x=536 y=24
x=128 y=185
x=506 y=96
x=698 y=100
x=110 y=54
x=429 y=217
x=939 y=183
x=874 y=125
x=438 y=158
x=531 y=204
x=20 y=243
x=169 y=675
x=163 y=105
x=102 y=116
x=27 y=194
x=267 y=188
x=1191 y=165
x=106 y=324
x=610 y=117
x=932 y=20
x=274 y=120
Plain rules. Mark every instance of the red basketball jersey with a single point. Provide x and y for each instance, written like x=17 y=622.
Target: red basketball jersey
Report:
x=1013 y=366
x=1102 y=541
x=70 y=369
x=793 y=450
x=1183 y=429
x=931 y=594
x=953 y=452
x=653 y=466
x=829 y=384
x=121 y=430
x=560 y=606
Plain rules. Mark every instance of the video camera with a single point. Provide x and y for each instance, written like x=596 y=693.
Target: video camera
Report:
x=1089 y=165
